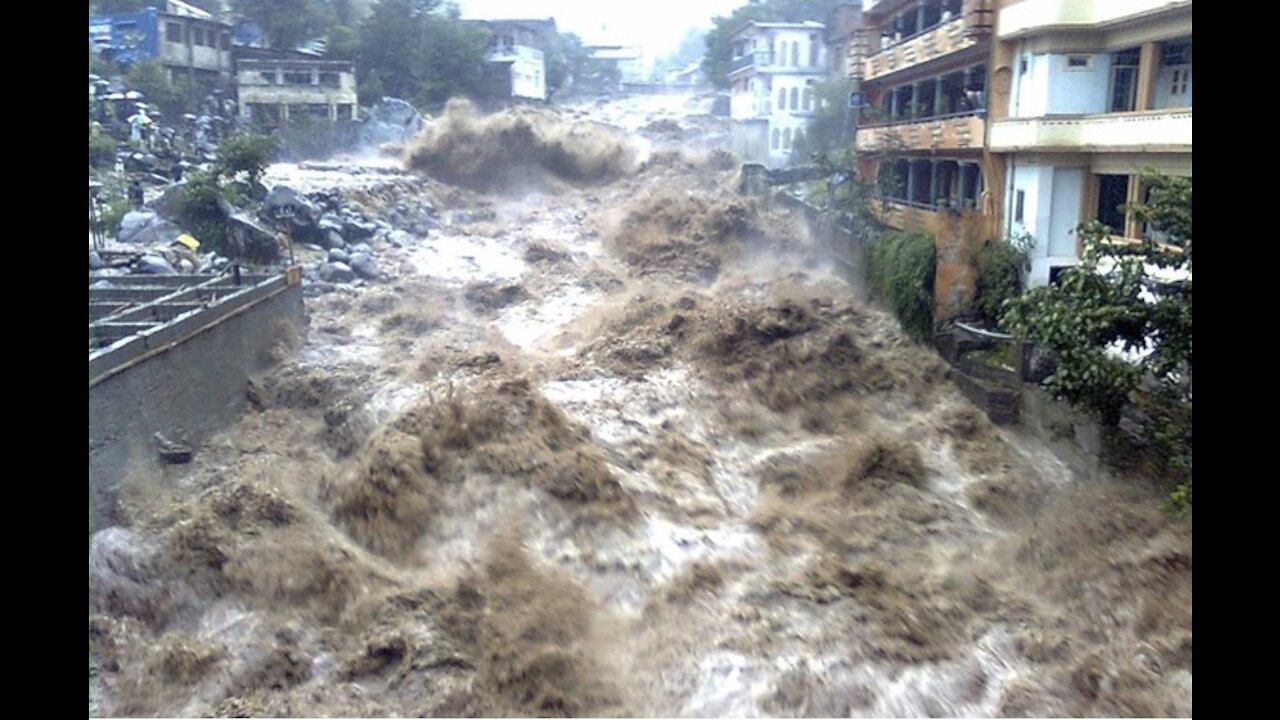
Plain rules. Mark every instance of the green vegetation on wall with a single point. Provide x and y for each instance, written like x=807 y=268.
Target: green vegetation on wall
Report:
x=900 y=270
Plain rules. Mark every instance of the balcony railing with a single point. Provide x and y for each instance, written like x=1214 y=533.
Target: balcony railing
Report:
x=942 y=40
x=956 y=131
x=1115 y=132
x=758 y=58
x=1043 y=16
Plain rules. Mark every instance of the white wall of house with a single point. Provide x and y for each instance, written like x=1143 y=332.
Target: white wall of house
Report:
x=1078 y=90
x=1030 y=86
x=801 y=47
x=1051 y=198
x=528 y=74
x=779 y=88
x=1051 y=86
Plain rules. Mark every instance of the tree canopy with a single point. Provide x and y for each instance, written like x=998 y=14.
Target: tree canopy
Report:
x=1119 y=324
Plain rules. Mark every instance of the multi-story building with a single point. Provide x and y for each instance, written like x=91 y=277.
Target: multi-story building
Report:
x=1086 y=94
x=189 y=42
x=774 y=70
x=922 y=126
x=515 y=65
x=275 y=87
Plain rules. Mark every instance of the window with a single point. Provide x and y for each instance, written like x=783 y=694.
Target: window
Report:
x=1019 y=206
x=173 y=32
x=786 y=139
x=1124 y=81
x=782 y=99
x=297 y=78
x=795 y=53
x=345 y=112
x=329 y=79
x=777 y=138
x=808 y=98
x=813 y=50
x=1175 y=74
x=1079 y=62
x=795 y=98
x=1113 y=193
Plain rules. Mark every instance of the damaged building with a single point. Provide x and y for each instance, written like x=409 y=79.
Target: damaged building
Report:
x=276 y=87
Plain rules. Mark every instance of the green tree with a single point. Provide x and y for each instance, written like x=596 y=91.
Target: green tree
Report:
x=343 y=43
x=390 y=45
x=1134 y=296
x=451 y=57
x=286 y=23
x=719 y=52
x=420 y=50
x=564 y=56
x=829 y=130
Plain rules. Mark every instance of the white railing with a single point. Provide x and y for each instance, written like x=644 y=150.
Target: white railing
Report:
x=1168 y=129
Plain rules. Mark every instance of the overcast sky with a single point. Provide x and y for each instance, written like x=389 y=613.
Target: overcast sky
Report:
x=657 y=25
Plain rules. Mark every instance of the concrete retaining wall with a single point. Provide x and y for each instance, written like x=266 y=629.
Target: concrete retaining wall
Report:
x=194 y=383
x=844 y=246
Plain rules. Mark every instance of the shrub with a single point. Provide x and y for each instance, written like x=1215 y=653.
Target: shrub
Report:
x=102 y=150
x=246 y=153
x=999 y=277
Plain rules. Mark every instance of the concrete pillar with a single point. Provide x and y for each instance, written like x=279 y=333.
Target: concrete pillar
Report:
x=915 y=100
x=1148 y=68
x=919 y=17
x=938 y=108
x=333 y=112
x=911 y=181
x=934 y=190
x=1132 y=228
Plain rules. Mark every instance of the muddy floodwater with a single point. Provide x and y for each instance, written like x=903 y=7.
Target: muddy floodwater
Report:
x=613 y=440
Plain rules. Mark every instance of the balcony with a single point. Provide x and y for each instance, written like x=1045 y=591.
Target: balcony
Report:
x=949 y=132
x=1150 y=131
x=1033 y=17
x=757 y=59
x=950 y=37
